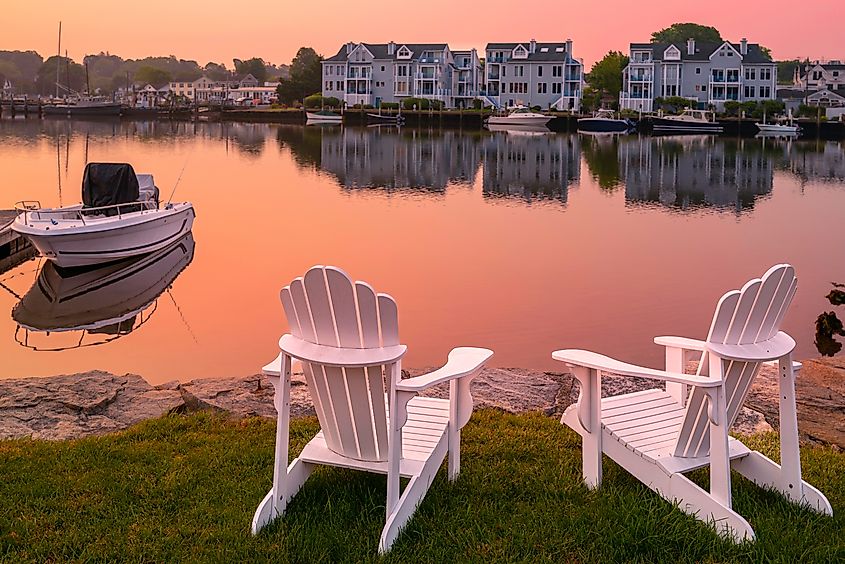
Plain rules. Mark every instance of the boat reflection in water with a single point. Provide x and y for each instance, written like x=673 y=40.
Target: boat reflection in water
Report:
x=99 y=303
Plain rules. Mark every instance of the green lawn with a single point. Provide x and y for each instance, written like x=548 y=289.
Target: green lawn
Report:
x=184 y=488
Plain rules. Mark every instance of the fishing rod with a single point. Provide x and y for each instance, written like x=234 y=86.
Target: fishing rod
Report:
x=178 y=180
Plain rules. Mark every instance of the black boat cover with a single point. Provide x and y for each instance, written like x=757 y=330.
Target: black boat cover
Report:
x=106 y=184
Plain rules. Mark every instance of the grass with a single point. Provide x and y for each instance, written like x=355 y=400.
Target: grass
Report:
x=183 y=488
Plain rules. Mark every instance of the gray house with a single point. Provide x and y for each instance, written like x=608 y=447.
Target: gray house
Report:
x=708 y=73
x=369 y=73
x=533 y=74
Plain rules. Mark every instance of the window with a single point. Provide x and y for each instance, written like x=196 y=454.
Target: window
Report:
x=541 y=88
x=697 y=70
x=382 y=68
x=765 y=91
x=750 y=91
x=328 y=85
x=766 y=74
x=544 y=49
x=339 y=85
x=556 y=87
x=730 y=53
x=557 y=70
x=540 y=71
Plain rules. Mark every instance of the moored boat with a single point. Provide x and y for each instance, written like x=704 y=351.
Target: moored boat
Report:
x=520 y=116
x=119 y=217
x=386 y=118
x=324 y=116
x=778 y=129
x=85 y=106
x=605 y=121
x=689 y=121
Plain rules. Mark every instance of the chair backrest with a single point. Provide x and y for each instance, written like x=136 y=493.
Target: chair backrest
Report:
x=751 y=315
x=325 y=307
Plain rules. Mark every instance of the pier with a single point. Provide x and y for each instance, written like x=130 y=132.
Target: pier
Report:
x=14 y=249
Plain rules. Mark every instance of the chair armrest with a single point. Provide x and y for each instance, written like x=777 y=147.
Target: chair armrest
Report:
x=274 y=367
x=777 y=347
x=337 y=356
x=587 y=359
x=463 y=361
x=680 y=343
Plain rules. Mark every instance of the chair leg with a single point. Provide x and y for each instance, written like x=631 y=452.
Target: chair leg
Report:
x=454 y=432
x=270 y=507
x=790 y=454
x=589 y=412
x=768 y=474
x=703 y=506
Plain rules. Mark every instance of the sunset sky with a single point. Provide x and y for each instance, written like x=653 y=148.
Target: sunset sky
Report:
x=210 y=30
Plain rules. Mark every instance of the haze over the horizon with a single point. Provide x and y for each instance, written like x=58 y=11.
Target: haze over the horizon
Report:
x=216 y=31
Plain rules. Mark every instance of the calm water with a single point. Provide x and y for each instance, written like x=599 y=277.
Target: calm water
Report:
x=520 y=242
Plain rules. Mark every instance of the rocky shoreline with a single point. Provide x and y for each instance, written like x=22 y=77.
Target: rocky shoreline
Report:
x=96 y=402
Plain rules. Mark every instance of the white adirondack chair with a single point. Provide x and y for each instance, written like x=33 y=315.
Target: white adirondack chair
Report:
x=658 y=434
x=347 y=338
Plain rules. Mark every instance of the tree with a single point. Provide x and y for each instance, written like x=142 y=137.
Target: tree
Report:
x=606 y=75
x=680 y=32
x=26 y=64
x=216 y=71
x=151 y=75
x=786 y=70
x=254 y=66
x=590 y=99
x=306 y=76
x=9 y=71
x=71 y=76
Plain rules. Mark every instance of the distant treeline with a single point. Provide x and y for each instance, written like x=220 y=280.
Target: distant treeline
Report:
x=29 y=73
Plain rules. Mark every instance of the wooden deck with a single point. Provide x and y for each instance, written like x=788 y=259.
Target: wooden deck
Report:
x=14 y=249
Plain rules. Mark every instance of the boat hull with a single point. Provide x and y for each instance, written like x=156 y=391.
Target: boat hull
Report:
x=519 y=121
x=102 y=241
x=603 y=125
x=73 y=110
x=775 y=129
x=313 y=117
x=665 y=125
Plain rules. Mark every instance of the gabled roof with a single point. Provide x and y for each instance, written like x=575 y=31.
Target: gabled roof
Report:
x=380 y=51
x=703 y=51
x=543 y=51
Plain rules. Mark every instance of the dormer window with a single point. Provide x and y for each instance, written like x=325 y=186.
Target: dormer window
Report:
x=520 y=52
x=403 y=53
x=672 y=53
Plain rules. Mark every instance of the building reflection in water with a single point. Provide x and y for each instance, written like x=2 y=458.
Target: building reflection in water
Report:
x=695 y=171
x=530 y=164
x=817 y=161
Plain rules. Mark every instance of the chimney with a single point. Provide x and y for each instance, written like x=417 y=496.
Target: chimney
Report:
x=391 y=48
x=349 y=47
x=690 y=46
x=533 y=47
x=569 y=47
x=743 y=46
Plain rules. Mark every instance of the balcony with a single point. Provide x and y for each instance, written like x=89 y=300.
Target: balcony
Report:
x=499 y=59
x=640 y=77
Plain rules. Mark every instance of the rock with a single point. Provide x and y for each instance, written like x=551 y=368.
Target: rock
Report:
x=76 y=405
x=244 y=397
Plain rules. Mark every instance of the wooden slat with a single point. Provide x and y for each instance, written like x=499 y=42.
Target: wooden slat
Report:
x=342 y=412
x=781 y=301
x=768 y=288
x=388 y=320
x=368 y=312
x=722 y=319
x=362 y=414
x=321 y=311
x=375 y=386
x=739 y=323
x=290 y=312
x=342 y=296
x=319 y=396
x=303 y=312
x=328 y=422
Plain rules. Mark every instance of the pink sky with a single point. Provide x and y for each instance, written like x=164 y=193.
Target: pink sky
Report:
x=210 y=30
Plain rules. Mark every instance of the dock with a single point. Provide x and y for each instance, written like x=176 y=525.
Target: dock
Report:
x=14 y=249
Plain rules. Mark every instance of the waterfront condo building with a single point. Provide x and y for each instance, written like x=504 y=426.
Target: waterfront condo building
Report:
x=708 y=73
x=533 y=74
x=370 y=73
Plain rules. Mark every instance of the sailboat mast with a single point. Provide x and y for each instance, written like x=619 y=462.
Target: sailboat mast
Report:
x=58 y=59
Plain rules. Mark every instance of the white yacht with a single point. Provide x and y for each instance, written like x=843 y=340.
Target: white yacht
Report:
x=689 y=121
x=119 y=217
x=520 y=116
x=778 y=129
x=324 y=116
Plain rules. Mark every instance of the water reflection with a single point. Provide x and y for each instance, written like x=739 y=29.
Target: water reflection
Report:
x=98 y=304
x=530 y=165
x=694 y=171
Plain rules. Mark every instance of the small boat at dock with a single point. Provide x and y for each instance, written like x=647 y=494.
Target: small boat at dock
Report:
x=605 y=121
x=324 y=116
x=689 y=121
x=778 y=129
x=520 y=116
x=397 y=119
x=119 y=217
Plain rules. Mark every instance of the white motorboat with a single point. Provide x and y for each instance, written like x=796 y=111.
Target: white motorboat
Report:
x=520 y=116
x=689 y=121
x=324 y=116
x=120 y=217
x=605 y=121
x=778 y=129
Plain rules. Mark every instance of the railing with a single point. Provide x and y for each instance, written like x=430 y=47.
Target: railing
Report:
x=31 y=209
